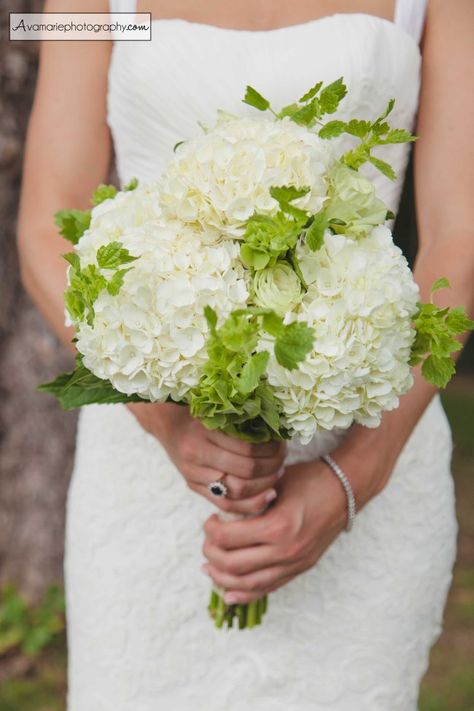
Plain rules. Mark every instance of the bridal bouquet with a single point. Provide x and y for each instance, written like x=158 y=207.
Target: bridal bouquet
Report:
x=254 y=282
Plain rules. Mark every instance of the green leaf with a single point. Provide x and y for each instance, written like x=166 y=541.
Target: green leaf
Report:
x=254 y=258
x=116 y=282
x=332 y=129
x=307 y=114
x=289 y=111
x=73 y=259
x=253 y=98
x=252 y=372
x=384 y=167
x=102 y=193
x=438 y=371
x=399 y=135
x=269 y=237
x=357 y=157
x=384 y=115
x=270 y=411
x=238 y=333
x=72 y=223
x=285 y=194
x=131 y=185
x=436 y=329
x=293 y=344
x=85 y=284
x=81 y=387
x=113 y=255
x=311 y=93
x=358 y=128
x=75 y=304
x=316 y=230
x=273 y=323
x=84 y=287
x=458 y=321
x=211 y=317
x=441 y=283
x=331 y=96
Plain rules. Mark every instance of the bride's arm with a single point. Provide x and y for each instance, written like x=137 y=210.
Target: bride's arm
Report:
x=311 y=509
x=67 y=155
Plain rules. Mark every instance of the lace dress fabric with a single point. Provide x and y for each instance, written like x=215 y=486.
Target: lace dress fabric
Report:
x=354 y=632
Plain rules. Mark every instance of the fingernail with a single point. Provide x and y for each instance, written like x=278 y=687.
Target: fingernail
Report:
x=271 y=496
x=281 y=471
x=205 y=569
x=230 y=600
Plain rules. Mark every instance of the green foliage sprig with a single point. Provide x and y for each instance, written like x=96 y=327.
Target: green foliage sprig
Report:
x=81 y=387
x=317 y=102
x=268 y=238
x=86 y=283
x=436 y=329
x=307 y=110
x=371 y=135
x=232 y=394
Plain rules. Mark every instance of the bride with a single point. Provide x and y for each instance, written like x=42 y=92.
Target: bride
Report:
x=353 y=615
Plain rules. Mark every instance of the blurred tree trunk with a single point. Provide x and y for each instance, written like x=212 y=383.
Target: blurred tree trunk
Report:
x=36 y=437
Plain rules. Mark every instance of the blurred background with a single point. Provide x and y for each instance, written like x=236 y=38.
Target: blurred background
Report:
x=37 y=448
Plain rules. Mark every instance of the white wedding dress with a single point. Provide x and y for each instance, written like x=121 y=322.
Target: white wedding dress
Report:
x=354 y=632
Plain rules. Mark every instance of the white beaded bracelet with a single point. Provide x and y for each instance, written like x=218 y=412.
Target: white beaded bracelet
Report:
x=346 y=485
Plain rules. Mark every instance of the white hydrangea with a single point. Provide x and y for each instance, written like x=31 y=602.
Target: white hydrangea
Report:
x=110 y=219
x=360 y=302
x=218 y=180
x=150 y=338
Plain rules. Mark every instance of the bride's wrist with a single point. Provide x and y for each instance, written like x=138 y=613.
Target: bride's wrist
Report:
x=153 y=417
x=367 y=457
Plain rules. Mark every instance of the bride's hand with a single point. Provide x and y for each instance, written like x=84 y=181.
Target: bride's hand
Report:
x=203 y=456
x=252 y=558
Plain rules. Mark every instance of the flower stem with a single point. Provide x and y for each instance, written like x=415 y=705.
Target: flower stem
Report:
x=249 y=615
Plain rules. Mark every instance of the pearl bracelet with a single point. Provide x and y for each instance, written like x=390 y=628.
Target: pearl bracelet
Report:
x=346 y=485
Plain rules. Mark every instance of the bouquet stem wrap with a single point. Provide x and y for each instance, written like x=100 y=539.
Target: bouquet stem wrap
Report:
x=247 y=615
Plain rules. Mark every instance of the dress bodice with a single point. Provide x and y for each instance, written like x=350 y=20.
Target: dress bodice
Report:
x=159 y=90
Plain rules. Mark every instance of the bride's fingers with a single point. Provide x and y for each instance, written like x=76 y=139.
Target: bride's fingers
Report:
x=237 y=488
x=246 y=449
x=238 y=534
x=242 y=588
x=244 y=467
x=246 y=488
x=245 y=597
x=243 y=561
x=252 y=505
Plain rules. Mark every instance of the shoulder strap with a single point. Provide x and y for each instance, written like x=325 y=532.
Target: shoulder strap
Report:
x=410 y=16
x=123 y=5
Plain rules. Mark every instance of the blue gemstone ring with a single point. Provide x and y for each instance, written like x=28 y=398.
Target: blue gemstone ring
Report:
x=218 y=489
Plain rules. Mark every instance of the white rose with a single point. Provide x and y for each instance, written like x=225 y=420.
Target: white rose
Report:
x=277 y=288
